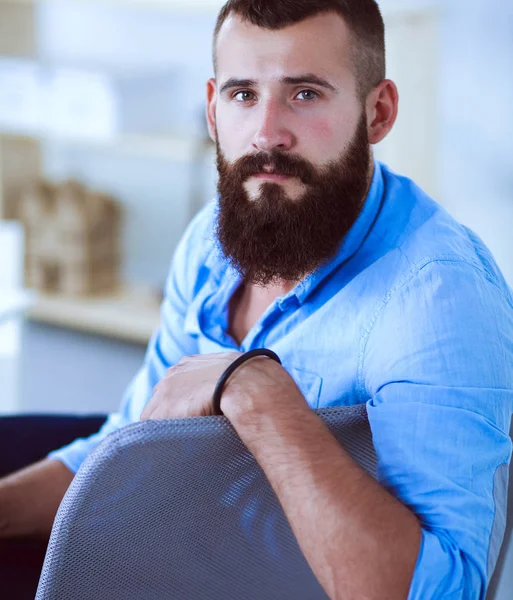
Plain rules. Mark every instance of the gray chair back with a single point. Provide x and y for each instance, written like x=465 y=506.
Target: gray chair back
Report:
x=180 y=509
x=501 y=583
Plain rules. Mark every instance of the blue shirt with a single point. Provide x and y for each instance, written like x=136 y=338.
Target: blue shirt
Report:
x=411 y=317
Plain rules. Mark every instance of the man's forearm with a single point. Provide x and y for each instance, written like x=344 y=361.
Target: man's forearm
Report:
x=359 y=540
x=29 y=499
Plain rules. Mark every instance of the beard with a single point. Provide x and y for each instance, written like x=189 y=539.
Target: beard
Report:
x=274 y=238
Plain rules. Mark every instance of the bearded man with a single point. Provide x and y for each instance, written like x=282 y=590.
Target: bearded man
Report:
x=367 y=290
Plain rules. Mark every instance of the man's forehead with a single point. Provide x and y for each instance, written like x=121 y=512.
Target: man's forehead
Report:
x=319 y=45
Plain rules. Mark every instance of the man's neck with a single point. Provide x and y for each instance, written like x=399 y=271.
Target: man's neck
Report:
x=248 y=304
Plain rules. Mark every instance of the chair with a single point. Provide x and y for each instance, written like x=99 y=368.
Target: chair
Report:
x=501 y=583
x=189 y=513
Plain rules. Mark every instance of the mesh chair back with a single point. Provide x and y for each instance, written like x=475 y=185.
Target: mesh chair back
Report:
x=180 y=509
x=501 y=583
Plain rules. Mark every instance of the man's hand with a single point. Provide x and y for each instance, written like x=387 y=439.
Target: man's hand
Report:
x=188 y=387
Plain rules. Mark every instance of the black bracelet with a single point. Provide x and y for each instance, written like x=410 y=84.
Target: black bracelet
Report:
x=235 y=365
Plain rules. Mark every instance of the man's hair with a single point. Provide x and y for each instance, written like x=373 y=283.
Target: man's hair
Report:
x=363 y=18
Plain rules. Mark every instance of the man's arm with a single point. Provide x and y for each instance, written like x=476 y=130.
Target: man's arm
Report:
x=29 y=499
x=444 y=462
x=359 y=540
x=441 y=397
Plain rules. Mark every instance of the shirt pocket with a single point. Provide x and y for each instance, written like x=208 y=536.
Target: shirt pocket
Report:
x=309 y=383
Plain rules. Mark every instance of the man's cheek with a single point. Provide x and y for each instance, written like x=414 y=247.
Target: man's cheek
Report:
x=321 y=131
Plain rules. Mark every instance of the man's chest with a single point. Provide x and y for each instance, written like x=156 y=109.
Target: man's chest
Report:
x=245 y=308
x=321 y=349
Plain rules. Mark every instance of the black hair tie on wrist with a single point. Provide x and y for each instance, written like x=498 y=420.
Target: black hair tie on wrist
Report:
x=235 y=365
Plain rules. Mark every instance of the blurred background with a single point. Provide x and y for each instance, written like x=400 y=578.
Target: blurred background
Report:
x=104 y=159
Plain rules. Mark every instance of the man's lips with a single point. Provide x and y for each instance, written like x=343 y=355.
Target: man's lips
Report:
x=277 y=177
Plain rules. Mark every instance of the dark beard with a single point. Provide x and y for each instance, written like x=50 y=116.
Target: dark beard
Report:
x=276 y=238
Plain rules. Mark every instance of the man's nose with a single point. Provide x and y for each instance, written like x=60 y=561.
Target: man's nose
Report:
x=273 y=132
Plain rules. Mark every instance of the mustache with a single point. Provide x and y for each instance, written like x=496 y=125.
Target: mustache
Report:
x=280 y=162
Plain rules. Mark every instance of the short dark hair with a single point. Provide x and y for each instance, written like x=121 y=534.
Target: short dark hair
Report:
x=363 y=18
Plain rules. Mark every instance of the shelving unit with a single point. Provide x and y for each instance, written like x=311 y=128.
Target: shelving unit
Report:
x=131 y=314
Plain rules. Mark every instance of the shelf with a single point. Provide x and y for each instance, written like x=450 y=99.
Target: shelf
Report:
x=131 y=315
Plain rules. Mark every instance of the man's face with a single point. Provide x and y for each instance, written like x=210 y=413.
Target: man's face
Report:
x=292 y=146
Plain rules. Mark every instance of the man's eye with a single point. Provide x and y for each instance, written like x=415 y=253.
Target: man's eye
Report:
x=246 y=96
x=312 y=94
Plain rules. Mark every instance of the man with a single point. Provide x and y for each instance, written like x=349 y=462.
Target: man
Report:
x=367 y=290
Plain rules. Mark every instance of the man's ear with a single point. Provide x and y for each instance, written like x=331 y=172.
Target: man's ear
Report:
x=382 y=105
x=211 y=108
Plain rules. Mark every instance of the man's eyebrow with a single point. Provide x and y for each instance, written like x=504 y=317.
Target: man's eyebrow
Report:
x=234 y=82
x=308 y=78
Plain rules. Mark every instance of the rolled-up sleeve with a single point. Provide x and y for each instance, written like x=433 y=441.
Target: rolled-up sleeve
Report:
x=438 y=366
x=166 y=347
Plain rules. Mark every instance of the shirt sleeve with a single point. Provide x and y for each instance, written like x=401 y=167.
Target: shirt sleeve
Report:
x=437 y=369
x=166 y=347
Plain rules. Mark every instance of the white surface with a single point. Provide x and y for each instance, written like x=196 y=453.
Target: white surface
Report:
x=11 y=253
x=20 y=101
x=38 y=100
x=13 y=303
x=78 y=103
x=477 y=122
x=159 y=102
x=125 y=38
x=13 y=300
x=10 y=336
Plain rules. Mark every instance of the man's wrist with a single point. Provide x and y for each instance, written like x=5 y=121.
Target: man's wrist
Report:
x=247 y=405
x=237 y=401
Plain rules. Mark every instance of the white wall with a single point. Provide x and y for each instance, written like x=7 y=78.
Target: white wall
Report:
x=477 y=121
x=475 y=159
